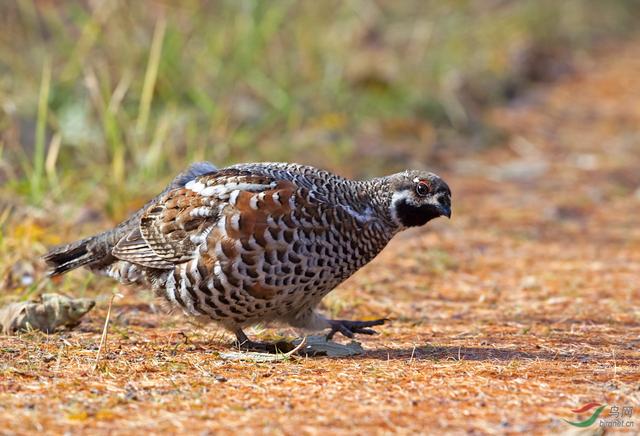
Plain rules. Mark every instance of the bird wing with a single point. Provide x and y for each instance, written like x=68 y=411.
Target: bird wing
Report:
x=235 y=203
x=96 y=251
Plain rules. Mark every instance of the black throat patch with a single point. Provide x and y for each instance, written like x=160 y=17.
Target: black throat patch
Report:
x=411 y=216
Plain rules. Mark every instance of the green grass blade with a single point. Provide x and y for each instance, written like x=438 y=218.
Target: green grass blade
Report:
x=150 y=76
x=41 y=125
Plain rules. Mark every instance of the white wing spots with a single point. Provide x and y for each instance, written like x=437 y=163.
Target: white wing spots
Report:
x=222 y=227
x=192 y=266
x=210 y=190
x=195 y=186
x=217 y=269
x=224 y=191
x=253 y=202
x=202 y=211
x=233 y=198
x=276 y=198
x=235 y=222
x=220 y=191
x=255 y=186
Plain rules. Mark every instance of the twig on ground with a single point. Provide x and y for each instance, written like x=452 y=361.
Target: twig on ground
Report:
x=105 y=330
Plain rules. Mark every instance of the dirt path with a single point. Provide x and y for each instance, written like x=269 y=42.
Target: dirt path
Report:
x=524 y=306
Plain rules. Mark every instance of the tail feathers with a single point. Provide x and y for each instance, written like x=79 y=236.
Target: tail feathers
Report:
x=97 y=249
x=71 y=256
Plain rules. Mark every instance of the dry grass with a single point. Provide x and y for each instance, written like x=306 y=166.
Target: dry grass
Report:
x=522 y=307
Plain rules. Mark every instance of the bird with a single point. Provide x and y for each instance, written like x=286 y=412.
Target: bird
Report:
x=258 y=242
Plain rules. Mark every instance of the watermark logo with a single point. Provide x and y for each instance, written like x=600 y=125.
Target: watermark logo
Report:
x=592 y=419
x=618 y=417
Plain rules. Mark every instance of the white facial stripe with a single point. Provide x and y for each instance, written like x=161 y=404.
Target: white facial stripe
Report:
x=395 y=199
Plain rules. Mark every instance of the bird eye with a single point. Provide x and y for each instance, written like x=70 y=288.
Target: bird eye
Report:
x=422 y=189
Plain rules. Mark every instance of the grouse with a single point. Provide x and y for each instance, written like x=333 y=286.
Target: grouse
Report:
x=258 y=242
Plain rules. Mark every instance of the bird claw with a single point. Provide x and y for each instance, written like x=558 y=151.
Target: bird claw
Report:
x=351 y=328
x=264 y=347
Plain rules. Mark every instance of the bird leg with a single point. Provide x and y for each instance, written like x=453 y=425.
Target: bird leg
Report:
x=350 y=328
x=245 y=344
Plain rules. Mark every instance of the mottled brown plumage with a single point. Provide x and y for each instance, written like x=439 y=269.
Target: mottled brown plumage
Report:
x=259 y=242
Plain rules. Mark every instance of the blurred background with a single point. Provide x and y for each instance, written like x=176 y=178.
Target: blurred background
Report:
x=102 y=102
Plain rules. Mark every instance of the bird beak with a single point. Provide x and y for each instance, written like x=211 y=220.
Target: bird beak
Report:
x=445 y=211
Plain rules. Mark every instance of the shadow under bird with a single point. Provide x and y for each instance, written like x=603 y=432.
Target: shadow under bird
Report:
x=258 y=242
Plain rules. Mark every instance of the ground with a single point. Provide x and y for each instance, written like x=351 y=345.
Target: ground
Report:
x=520 y=308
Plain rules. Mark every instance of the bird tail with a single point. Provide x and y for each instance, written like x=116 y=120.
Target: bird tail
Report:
x=96 y=250
x=70 y=256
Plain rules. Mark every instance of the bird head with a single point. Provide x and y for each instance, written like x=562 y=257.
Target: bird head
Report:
x=417 y=197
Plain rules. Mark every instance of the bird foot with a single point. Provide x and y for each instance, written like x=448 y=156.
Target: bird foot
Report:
x=243 y=343
x=350 y=328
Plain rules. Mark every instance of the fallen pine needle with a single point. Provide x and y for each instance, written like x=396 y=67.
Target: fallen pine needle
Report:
x=105 y=330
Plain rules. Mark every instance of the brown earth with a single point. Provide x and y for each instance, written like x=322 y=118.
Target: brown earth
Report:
x=522 y=307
